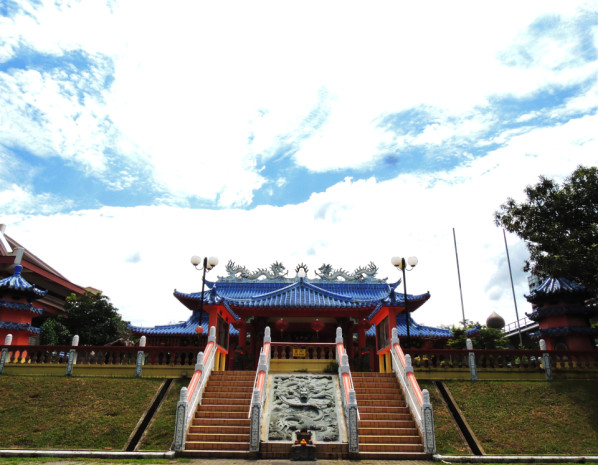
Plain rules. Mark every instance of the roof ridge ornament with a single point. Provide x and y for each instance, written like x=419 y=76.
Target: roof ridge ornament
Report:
x=327 y=273
x=278 y=272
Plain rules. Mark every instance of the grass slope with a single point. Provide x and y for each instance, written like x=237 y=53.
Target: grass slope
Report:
x=71 y=413
x=448 y=439
x=160 y=434
x=560 y=417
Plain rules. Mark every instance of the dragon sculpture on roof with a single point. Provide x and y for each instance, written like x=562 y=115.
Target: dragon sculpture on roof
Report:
x=277 y=270
x=327 y=273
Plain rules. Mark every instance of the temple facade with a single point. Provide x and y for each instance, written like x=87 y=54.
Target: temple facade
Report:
x=299 y=310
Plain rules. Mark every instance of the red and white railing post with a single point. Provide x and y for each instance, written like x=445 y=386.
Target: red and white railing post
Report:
x=140 y=357
x=348 y=393
x=72 y=359
x=259 y=391
x=473 y=369
x=418 y=401
x=191 y=396
x=4 y=353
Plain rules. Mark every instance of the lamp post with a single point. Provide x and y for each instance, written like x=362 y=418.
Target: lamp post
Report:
x=208 y=264
x=401 y=264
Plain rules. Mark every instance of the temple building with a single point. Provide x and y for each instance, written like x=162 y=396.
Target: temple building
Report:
x=299 y=310
x=563 y=316
x=30 y=289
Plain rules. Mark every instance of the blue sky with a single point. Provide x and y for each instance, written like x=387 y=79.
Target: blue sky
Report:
x=136 y=136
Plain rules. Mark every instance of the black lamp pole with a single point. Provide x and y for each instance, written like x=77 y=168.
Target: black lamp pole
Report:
x=208 y=264
x=403 y=265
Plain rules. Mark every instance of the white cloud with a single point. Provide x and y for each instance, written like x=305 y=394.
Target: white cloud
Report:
x=202 y=93
x=350 y=224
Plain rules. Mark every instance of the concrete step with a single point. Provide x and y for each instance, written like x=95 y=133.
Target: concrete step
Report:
x=380 y=408
x=394 y=456
x=388 y=431
x=218 y=454
x=213 y=446
x=226 y=408
x=211 y=421
x=221 y=414
x=391 y=439
x=390 y=447
x=229 y=401
x=384 y=416
x=224 y=429
x=218 y=437
x=410 y=423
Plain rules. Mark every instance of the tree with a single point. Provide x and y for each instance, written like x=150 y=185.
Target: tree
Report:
x=53 y=332
x=485 y=338
x=94 y=319
x=559 y=224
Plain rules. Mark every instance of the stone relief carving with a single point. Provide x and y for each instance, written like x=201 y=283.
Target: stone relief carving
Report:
x=303 y=401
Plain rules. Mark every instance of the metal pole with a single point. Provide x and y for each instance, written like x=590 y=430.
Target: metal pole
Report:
x=459 y=276
x=403 y=265
x=512 y=288
x=203 y=285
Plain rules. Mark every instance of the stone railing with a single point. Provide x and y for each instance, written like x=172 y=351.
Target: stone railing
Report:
x=309 y=351
x=259 y=391
x=71 y=356
x=347 y=393
x=418 y=401
x=483 y=360
x=191 y=396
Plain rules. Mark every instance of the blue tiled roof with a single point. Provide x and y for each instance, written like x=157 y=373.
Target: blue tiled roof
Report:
x=10 y=326
x=554 y=287
x=540 y=313
x=565 y=331
x=20 y=306
x=17 y=283
x=415 y=330
x=185 y=328
x=302 y=293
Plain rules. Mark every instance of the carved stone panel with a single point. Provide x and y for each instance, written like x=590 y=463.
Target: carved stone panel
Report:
x=303 y=401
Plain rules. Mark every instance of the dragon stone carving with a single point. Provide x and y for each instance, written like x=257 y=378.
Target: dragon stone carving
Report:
x=303 y=401
x=361 y=273
x=277 y=271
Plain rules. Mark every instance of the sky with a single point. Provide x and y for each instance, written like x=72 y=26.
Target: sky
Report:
x=135 y=134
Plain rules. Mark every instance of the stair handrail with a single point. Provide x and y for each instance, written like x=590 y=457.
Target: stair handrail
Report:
x=418 y=401
x=348 y=395
x=258 y=393
x=191 y=396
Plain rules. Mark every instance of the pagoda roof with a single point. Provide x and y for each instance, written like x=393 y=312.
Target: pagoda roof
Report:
x=301 y=293
x=565 y=331
x=415 y=329
x=16 y=283
x=183 y=328
x=21 y=306
x=11 y=326
x=553 y=288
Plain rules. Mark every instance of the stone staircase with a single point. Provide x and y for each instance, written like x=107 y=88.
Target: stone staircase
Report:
x=386 y=428
x=220 y=427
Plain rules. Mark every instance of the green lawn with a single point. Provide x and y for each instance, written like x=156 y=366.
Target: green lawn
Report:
x=560 y=417
x=71 y=413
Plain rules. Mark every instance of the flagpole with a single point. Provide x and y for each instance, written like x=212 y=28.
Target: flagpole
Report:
x=513 y=288
x=459 y=276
